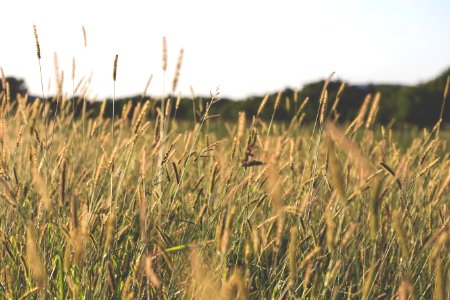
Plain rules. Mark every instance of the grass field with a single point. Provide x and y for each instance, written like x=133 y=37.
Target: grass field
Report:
x=160 y=209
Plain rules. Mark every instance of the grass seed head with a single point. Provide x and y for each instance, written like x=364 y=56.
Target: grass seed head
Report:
x=115 y=67
x=292 y=257
x=36 y=39
x=84 y=36
x=34 y=261
x=164 y=54
x=177 y=71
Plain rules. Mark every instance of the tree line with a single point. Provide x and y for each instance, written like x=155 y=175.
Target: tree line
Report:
x=418 y=104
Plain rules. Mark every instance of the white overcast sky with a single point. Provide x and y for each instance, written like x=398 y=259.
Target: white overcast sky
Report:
x=244 y=47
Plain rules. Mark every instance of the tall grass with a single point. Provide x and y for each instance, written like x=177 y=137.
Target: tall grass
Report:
x=263 y=211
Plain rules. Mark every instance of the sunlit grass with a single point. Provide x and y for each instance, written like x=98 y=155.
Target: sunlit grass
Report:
x=220 y=210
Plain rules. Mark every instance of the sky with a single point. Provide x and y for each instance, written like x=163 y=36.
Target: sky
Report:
x=241 y=47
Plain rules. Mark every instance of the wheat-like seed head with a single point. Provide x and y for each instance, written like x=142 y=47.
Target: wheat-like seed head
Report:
x=292 y=154
x=34 y=261
x=84 y=36
x=374 y=209
x=56 y=67
x=439 y=281
x=241 y=125
x=8 y=92
x=368 y=280
x=115 y=67
x=164 y=54
x=323 y=107
x=295 y=95
x=36 y=39
x=373 y=110
x=41 y=187
x=280 y=229
x=277 y=101
x=177 y=70
x=73 y=68
x=3 y=78
x=330 y=228
x=212 y=179
x=348 y=235
x=110 y=278
x=288 y=103
x=325 y=87
x=363 y=109
x=141 y=116
x=168 y=108
x=341 y=140
x=308 y=273
x=309 y=256
x=406 y=290
x=292 y=257
x=127 y=293
x=177 y=103
x=60 y=85
x=337 y=176
x=261 y=106
x=151 y=275
x=401 y=236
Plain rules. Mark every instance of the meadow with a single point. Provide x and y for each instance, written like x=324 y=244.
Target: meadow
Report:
x=143 y=206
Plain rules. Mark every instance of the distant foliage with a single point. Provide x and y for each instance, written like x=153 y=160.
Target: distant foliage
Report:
x=418 y=105
x=16 y=86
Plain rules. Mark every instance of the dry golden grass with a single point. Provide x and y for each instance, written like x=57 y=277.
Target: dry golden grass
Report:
x=145 y=207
